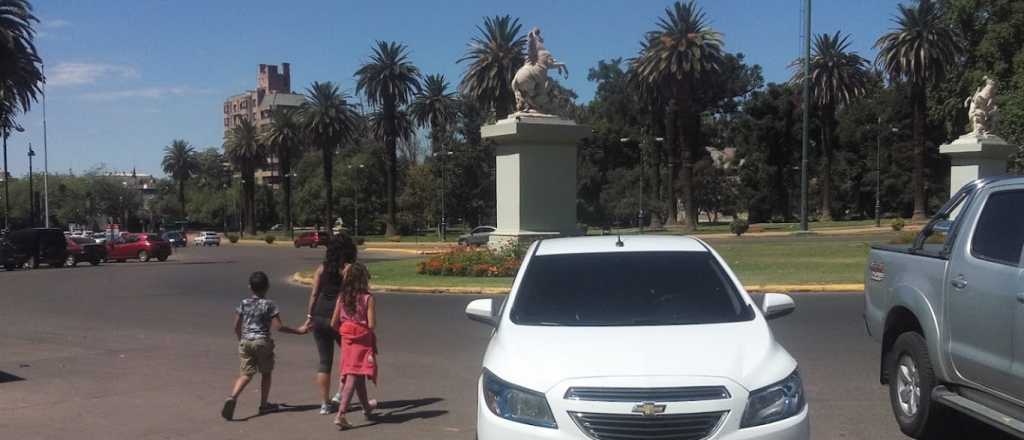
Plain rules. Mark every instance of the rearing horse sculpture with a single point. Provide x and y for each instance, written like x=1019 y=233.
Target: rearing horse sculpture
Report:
x=531 y=81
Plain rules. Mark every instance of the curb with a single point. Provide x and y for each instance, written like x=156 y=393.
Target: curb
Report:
x=301 y=279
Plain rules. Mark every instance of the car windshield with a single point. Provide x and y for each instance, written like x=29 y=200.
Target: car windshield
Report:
x=627 y=288
x=153 y=237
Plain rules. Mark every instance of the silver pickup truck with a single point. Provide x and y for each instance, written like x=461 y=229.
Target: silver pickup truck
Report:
x=948 y=310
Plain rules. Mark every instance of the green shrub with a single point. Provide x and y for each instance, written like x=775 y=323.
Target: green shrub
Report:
x=269 y=238
x=739 y=226
x=898 y=224
x=233 y=238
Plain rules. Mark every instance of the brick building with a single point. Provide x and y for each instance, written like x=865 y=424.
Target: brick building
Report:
x=273 y=89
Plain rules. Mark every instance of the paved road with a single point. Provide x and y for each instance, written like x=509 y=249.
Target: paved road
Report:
x=145 y=350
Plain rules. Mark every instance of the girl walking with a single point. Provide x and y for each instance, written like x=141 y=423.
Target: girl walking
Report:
x=354 y=317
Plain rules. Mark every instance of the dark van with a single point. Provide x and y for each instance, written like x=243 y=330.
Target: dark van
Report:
x=40 y=245
x=11 y=257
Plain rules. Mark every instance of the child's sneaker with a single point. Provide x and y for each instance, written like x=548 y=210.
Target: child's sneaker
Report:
x=228 y=411
x=328 y=408
x=337 y=398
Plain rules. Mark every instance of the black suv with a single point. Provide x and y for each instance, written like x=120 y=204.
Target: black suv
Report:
x=37 y=246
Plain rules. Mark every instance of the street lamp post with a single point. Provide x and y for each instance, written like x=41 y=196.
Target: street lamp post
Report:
x=31 y=192
x=645 y=140
x=355 y=195
x=806 y=116
x=444 y=154
x=878 y=172
x=46 y=158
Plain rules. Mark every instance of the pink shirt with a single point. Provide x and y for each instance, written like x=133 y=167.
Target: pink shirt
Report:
x=360 y=316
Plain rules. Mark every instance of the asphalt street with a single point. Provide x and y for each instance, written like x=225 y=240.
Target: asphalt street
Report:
x=146 y=350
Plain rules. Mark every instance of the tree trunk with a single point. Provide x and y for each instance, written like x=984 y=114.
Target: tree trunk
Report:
x=390 y=147
x=690 y=132
x=504 y=103
x=285 y=163
x=249 y=185
x=671 y=152
x=919 y=96
x=328 y=159
x=828 y=115
x=181 y=198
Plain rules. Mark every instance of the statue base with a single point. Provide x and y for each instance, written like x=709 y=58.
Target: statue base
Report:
x=974 y=157
x=535 y=177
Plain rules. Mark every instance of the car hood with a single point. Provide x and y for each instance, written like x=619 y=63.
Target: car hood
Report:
x=540 y=357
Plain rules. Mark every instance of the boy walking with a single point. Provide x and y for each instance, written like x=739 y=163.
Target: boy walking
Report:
x=255 y=316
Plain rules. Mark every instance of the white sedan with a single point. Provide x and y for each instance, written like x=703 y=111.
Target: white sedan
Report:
x=636 y=337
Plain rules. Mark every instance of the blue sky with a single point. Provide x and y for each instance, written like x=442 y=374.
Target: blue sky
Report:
x=128 y=76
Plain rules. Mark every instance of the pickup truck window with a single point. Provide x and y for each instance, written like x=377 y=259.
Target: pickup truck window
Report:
x=999 y=234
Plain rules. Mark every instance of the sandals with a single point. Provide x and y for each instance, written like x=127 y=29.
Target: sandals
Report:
x=341 y=423
x=228 y=411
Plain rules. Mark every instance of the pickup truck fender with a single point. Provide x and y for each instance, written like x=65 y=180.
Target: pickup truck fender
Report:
x=911 y=310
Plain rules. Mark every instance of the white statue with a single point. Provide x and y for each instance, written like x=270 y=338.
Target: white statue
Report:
x=982 y=109
x=531 y=81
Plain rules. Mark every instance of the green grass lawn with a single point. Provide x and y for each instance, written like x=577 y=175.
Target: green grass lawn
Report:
x=723 y=227
x=778 y=260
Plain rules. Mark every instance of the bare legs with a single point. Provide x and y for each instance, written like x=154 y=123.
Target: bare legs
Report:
x=357 y=384
x=323 y=381
x=244 y=380
x=240 y=384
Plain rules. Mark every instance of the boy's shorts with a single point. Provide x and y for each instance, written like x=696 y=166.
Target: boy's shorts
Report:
x=256 y=355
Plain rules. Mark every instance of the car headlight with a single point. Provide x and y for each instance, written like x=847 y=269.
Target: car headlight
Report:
x=515 y=403
x=775 y=402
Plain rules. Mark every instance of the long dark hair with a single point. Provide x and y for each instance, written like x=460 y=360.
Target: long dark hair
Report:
x=341 y=250
x=357 y=280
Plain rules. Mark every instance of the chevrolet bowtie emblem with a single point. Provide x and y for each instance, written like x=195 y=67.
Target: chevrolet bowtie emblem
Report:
x=649 y=409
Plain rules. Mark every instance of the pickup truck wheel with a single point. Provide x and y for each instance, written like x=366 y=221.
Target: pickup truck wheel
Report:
x=143 y=256
x=911 y=381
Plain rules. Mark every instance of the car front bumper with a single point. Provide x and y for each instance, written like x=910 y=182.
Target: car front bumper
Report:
x=492 y=427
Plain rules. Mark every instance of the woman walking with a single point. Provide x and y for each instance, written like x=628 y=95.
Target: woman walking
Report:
x=327 y=282
x=355 y=318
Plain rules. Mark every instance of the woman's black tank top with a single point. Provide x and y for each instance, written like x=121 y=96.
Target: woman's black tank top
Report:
x=327 y=296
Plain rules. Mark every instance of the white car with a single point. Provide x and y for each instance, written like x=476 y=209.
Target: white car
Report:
x=206 y=238
x=638 y=337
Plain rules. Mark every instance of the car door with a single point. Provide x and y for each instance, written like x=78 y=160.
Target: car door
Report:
x=982 y=293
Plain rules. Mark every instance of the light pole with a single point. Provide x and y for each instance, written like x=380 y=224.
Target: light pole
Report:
x=31 y=192
x=444 y=154
x=355 y=195
x=807 y=115
x=288 y=206
x=645 y=140
x=7 y=172
x=878 y=172
x=46 y=157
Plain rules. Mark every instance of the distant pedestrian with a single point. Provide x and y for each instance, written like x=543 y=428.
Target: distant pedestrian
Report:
x=355 y=318
x=254 y=318
x=341 y=250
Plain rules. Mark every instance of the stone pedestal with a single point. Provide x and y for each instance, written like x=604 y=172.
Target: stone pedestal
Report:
x=535 y=176
x=974 y=157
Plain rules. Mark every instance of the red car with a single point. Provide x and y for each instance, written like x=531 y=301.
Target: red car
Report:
x=138 y=246
x=311 y=239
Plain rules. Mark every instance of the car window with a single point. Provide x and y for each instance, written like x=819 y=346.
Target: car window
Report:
x=999 y=233
x=153 y=237
x=627 y=288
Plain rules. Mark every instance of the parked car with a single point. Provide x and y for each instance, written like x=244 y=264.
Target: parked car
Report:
x=477 y=237
x=666 y=345
x=311 y=239
x=175 y=238
x=947 y=311
x=10 y=256
x=277 y=227
x=143 y=247
x=101 y=237
x=81 y=249
x=206 y=238
x=40 y=246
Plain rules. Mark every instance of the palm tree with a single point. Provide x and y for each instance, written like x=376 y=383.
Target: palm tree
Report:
x=389 y=81
x=180 y=162
x=838 y=75
x=437 y=108
x=21 y=75
x=328 y=120
x=495 y=56
x=405 y=127
x=285 y=135
x=244 y=149
x=672 y=59
x=919 y=50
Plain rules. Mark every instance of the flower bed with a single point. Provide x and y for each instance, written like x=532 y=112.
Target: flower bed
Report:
x=465 y=261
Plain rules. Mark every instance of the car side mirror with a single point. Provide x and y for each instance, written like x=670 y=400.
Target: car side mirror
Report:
x=483 y=311
x=777 y=305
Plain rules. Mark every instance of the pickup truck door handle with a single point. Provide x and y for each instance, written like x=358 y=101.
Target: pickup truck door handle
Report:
x=960 y=282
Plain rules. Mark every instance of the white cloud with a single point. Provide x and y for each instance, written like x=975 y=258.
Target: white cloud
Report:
x=56 y=23
x=145 y=93
x=74 y=74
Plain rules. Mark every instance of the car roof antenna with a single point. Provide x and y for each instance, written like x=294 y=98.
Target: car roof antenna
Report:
x=618 y=242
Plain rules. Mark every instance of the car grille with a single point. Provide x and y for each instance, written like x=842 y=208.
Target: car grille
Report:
x=637 y=427
x=681 y=394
